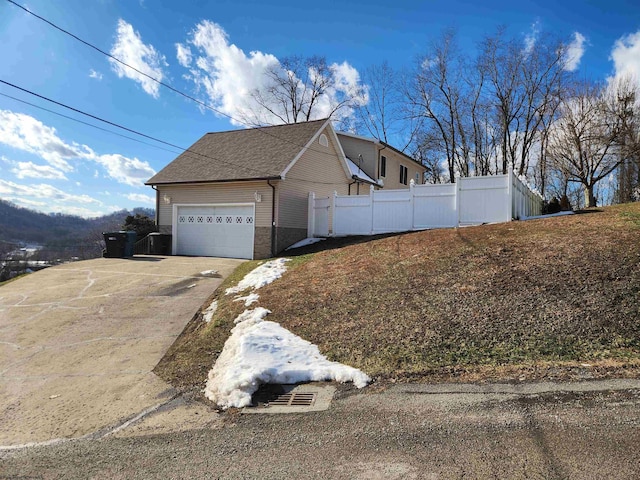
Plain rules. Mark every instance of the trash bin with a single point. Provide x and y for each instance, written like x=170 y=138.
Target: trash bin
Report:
x=160 y=243
x=119 y=244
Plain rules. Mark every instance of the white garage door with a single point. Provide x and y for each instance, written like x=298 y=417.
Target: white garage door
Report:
x=215 y=231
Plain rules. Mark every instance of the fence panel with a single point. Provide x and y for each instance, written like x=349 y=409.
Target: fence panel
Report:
x=352 y=215
x=484 y=200
x=434 y=206
x=320 y=217
x=392 y=211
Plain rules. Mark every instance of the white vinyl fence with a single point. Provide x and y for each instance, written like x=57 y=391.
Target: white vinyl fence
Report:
x=470 y=201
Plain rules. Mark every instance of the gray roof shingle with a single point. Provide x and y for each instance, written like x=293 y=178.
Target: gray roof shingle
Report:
x=256 y=153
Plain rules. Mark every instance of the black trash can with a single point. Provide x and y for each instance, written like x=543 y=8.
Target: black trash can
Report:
x=119 y=244
x=160 y=243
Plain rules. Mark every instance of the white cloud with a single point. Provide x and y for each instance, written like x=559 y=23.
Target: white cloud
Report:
x=141 y=198
x=184 y=55
x=94 y=74
x=574 y=52
x=43 y=190
x=24 y=132
x=626 y=56
x=31 y=170
x=130 y=49
x=228 y=76
x=531 y=38
x=129 y=171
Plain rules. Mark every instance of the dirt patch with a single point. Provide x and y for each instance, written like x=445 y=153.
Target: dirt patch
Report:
x=517 y=301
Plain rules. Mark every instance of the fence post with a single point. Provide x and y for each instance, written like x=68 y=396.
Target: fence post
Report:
x=458 y=187
x=510 y=194
x=311 y=213
x=332 y=211
x=371 y=200
x=412 y=186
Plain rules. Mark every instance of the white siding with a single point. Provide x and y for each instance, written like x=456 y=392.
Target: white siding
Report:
x=216 y=193
x=318 y=170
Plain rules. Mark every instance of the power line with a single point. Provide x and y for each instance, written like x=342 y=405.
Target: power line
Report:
x=160 y=82
x=185 y=150
x=86 y=123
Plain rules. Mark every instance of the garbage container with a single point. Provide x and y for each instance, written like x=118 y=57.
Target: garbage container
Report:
x=119 y=244
x=160 y=243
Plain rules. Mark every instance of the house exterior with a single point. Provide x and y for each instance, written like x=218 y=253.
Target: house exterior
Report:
x=244 y=193
x=388 y=166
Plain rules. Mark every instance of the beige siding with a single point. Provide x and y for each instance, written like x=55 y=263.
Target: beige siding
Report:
x=232 y=192
x=318 y=170
x=353 y=147
x=394 y=160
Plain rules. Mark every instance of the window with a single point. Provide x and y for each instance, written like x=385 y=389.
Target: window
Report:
x=404 y=172
x=383 y=166
x=323 y=140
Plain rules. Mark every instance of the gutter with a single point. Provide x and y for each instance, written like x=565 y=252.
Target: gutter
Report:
x=207 y=182
x=157 y=215
x=273 y=218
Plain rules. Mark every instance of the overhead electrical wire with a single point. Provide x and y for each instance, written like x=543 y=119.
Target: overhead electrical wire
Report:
x=160 y=82
x=95 y=117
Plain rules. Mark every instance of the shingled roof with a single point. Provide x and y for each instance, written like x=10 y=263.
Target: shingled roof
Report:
x=249 y=154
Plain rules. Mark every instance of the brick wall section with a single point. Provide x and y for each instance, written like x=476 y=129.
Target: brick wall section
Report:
x=262 y=243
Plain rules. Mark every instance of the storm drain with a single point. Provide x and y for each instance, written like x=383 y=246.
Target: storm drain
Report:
x=295 y=399
x=292 y=398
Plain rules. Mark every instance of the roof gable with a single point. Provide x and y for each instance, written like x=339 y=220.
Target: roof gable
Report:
x=257 y=153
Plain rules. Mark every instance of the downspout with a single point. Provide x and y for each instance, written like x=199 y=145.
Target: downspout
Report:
x=354 y=181
x=273 y=218
x=157 y=206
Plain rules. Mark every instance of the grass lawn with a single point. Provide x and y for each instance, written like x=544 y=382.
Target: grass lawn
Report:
x=556 y=297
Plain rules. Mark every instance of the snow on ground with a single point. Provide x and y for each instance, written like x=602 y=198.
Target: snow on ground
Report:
x=549 y=215
x=211 y=309
x=304 y=243
x=260 y=351
x=261 y=276
x=209 y=273
x=248 y=300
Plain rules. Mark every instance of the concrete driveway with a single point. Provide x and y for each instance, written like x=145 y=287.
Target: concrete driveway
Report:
x=78 y=341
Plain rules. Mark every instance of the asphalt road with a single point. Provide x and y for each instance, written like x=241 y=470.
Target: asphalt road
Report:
x=407 y=431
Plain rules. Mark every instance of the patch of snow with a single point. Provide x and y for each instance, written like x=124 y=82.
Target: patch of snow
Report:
x=209 y=273
x=549 y=215
x=248 y=300
x=304 y=243
x=357 y=172
x=261 y=276
x=259 y=352
x=209 y=312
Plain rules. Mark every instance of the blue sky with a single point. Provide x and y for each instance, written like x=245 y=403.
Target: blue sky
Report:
x=53 y=164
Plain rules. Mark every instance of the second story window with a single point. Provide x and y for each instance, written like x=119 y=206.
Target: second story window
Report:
x=383 y=166
x=403 y=174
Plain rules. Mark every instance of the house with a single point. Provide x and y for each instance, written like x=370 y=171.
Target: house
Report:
x=388 y=166
x=244 y=193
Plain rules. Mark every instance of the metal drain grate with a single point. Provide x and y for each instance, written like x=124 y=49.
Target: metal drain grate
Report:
x=301 y=399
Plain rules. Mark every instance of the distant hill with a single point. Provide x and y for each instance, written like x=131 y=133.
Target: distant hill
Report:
x=23 y=226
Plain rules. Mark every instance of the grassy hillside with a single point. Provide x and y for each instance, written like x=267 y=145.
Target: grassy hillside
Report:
x=550 y=297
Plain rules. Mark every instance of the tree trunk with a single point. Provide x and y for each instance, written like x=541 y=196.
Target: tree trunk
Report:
x=589 y=198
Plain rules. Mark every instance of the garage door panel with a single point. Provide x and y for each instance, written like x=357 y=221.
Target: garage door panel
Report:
x=220 y=231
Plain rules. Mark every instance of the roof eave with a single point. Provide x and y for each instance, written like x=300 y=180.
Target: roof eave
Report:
x=201 y=182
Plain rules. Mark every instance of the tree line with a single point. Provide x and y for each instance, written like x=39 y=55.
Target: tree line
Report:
x=512 y=103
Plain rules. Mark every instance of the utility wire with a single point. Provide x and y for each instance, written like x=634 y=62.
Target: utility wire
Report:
x=185 y=150
x=86 y=123
x=160 y=82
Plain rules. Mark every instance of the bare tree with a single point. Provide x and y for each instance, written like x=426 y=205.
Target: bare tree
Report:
x=384 y=116
x=583 y=141
x=435 y=96
x=300 y=89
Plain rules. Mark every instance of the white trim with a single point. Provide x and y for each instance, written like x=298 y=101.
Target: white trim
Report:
x=174 y=221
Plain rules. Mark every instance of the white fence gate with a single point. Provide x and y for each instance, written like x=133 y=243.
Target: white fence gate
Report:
x=470 y=201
